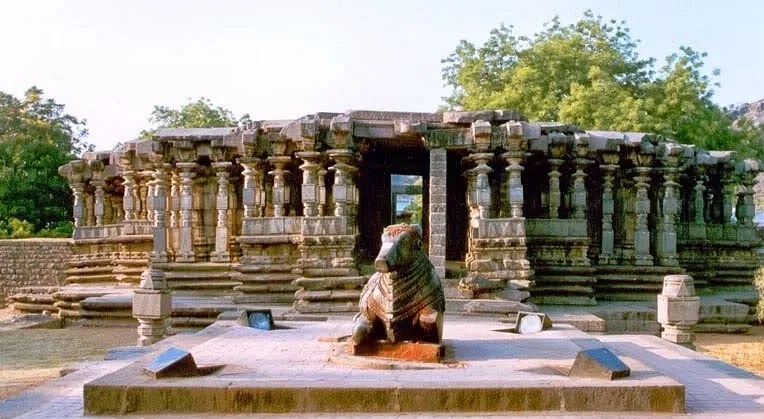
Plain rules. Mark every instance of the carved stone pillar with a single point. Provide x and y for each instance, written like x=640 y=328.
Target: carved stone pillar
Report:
x=160 y=206
x=322 y=191
x=78 y=190
x=578 y=201
x=729 y=197
x=281 y=191
x=608 y=209
x=666 y=243
x=482 y=187
x=142 y=192
x=437 y=210
x=89 y=218
x=152 y=306
x=749 y=206
x=128 y=197
x=642 y=212
x=185 y=240
x=555 y=196
x=98 y=208
x=249 y=189
x=343 y=189
x=117 y=213
x=221 y=253
x=699 y=200
x=174 y=207
x=150 y=201
x=310 y=191
x=708 y=208
x=516 y=194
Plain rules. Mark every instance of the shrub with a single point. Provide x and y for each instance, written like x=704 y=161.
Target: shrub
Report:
x=758 y=281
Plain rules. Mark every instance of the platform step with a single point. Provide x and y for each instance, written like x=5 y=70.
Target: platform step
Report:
x=330 y=283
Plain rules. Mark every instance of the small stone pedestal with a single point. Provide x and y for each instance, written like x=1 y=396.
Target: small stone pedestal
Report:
x=402 y=351
x=678 y=309
x=152 y=306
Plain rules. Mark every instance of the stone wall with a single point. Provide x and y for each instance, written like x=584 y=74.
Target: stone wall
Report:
x=32 y=263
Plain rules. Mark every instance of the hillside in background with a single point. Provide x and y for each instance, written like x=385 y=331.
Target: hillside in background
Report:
x=753 y=111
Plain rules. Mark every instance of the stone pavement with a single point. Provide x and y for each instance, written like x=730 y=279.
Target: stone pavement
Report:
x=713 y=388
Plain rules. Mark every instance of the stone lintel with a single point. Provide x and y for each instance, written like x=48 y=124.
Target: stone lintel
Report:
x=193 y=134
x=394 y=116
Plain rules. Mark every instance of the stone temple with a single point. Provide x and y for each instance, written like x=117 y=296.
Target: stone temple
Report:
x=291 y=211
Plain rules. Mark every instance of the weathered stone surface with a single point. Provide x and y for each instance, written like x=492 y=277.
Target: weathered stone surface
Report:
x=32 y=263
x=291 y=372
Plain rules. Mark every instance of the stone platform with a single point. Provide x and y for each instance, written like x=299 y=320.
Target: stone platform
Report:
x=302 y=368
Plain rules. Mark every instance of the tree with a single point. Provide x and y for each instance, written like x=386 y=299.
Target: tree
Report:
x=589 y=73
x=200 y=113
x=36 y=137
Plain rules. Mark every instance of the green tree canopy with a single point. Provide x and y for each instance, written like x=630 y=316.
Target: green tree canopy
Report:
x=36 y=137
x=200 y=113
x=589 y=73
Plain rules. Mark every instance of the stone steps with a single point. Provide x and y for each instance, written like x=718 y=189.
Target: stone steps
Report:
x=329 y=283
x=271 y=283
x=631 y=283
x=33 y=299
x=213 y=278
x=565 y=285
x=329 y=293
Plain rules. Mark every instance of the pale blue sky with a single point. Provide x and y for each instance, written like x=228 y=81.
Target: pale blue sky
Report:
x=111 y=61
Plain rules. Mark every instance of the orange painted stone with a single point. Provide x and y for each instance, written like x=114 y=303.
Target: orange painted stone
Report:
x=405 y=351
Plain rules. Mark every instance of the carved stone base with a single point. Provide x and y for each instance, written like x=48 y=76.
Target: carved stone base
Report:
x=406 y=351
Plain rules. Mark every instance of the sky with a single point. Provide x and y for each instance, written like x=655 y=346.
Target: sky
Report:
x=110 y=62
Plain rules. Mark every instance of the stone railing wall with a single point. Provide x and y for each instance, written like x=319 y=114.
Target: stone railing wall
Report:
x=32 y=262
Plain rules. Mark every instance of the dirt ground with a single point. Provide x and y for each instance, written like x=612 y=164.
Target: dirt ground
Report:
x=745 y=351
x=29 y=357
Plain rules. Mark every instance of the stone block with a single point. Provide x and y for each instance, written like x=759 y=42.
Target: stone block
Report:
x=675 y=310
x=531 y=131
x=504 y=115
x=461 y=117
x=481 y=128
x=152 y=304
x=406 y=351
x=173 y=362
x=599 y=363
x=514 y=129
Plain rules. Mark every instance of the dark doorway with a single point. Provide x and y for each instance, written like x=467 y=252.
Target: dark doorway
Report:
x=457 y=215
x=376 y=208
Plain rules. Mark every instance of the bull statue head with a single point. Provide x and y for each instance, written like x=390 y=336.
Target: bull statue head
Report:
x=401 y=243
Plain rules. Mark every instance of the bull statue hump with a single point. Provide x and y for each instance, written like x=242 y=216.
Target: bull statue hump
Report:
x=403 y=300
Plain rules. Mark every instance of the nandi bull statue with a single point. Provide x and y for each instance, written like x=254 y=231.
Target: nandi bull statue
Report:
x=403 y=300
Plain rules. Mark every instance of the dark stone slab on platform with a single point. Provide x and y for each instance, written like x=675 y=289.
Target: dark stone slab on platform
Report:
x=599 y=363
x=173 y=362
